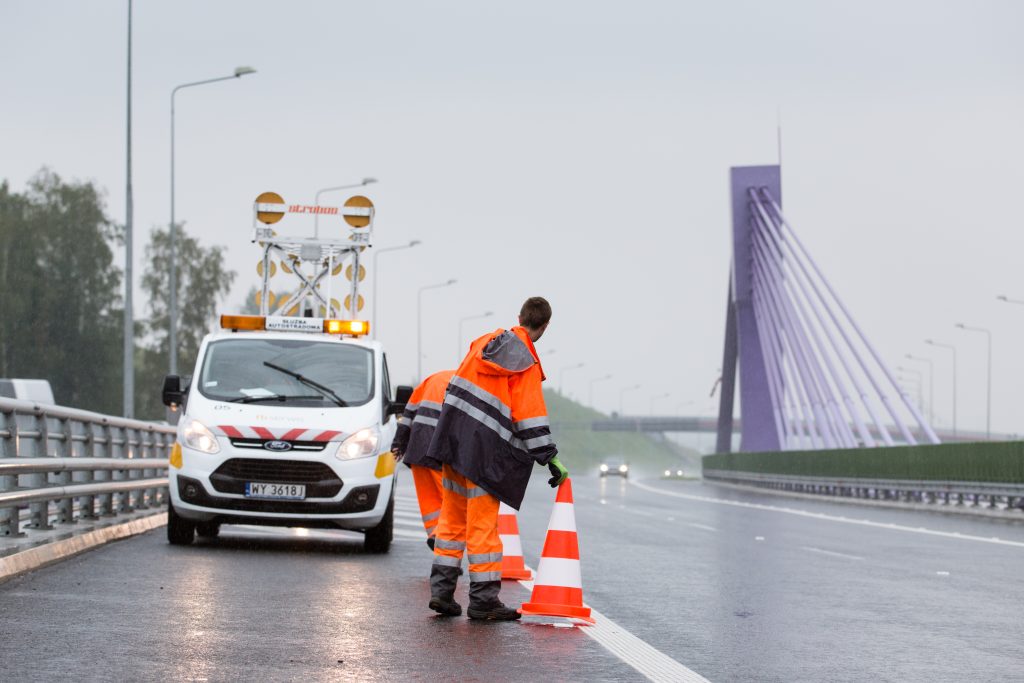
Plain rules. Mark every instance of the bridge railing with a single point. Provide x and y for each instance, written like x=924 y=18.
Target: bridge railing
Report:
x=61 y=465
x=975 y=473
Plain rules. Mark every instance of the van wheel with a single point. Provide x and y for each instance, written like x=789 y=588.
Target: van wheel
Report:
x=378 y=539
x=180 y=531
x=207 y=530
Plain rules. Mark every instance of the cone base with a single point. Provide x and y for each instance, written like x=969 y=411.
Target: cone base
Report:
x=568 y=611
x=516 y=575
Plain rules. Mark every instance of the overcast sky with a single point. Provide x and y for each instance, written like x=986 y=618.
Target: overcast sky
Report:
x=575 y=150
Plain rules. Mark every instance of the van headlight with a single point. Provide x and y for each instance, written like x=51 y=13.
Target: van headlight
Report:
x=604 y=467
x=199 y=437
x=623 y=468
x=362 y=444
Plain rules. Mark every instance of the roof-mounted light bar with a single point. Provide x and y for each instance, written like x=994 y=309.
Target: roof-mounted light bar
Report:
x=274 y=323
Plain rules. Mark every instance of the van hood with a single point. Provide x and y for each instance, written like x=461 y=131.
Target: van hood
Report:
x=241 y=421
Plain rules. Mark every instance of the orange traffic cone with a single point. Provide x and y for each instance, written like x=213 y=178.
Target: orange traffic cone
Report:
x=558 y=590
x=512 y=564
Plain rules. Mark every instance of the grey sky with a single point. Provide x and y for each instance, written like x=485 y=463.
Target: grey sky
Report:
x=577 y=150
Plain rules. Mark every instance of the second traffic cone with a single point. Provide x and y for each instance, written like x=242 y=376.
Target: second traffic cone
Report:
x=512 y=564
x=558 y=589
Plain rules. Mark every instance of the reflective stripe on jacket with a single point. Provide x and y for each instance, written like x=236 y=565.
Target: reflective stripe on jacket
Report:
x=494 y=425
x=416 y=425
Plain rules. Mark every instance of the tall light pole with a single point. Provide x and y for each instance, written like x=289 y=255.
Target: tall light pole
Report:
x=592 y=383
x=657 y=398
x=953 y=349
x=561 y=375
x=622 y=396
x=931 y=384
x=419 y=325
x=128 y=369
x=316 y=199
x=918 y=377
x=374 y=323
x=988 y=400
x=459 y=352
x=173 y=308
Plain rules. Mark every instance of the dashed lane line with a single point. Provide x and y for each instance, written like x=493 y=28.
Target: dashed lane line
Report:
x=831 y=553
x=704 y=527
x=652 y=663
x=832 y=518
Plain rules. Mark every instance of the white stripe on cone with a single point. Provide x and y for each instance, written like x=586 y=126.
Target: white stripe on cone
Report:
x=558 y=571
x=511 y=546
x=562 y=518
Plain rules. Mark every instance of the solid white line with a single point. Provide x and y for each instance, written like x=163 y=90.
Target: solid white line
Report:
x=832 y=518
x=652 y=663
x=833 y=553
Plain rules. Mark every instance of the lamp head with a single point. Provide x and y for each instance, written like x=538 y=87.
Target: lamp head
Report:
x=244 y=71
x=414 y=243
x=960 y=325
x=368 y=181
x=1001 y=297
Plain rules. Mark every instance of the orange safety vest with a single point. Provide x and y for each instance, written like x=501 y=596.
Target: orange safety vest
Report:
x=494 y=426
x=416 y=425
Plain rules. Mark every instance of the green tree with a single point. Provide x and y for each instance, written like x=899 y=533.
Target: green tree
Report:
x=202 y=282
x=60 y=301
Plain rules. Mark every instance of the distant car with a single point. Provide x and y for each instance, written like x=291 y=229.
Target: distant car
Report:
x=673 y=474
x=36 y=390
x=614 y=468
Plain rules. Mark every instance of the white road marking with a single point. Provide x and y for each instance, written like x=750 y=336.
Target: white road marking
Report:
x=650 y=662
x=705 y=527
x=833 y=553
x=830 y=518
x=421 y=536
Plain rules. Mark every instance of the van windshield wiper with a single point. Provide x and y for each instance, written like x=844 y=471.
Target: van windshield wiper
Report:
x=327 y=391
x=273 y=397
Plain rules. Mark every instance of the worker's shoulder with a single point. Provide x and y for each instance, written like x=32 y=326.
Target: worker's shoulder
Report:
x=509 y=351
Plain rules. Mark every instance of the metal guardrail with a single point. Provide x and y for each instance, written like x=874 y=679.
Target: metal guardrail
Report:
x=61 y=465
x=996 y=495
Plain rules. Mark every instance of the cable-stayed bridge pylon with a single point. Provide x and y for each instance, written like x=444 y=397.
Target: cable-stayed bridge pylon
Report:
x=808 y=376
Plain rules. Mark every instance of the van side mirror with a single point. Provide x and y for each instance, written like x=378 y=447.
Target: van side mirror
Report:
x=174 y=392
x=402 y=396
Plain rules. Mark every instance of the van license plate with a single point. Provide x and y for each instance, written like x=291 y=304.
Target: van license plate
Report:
x=286 y=491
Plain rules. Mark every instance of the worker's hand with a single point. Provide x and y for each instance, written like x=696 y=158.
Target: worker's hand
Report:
x=397 y=452
x=559 y=472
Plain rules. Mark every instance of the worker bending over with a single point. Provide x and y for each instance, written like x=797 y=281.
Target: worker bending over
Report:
x=493 y=426
x=412 y=438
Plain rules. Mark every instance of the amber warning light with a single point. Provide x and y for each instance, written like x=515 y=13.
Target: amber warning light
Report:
x=355 y=328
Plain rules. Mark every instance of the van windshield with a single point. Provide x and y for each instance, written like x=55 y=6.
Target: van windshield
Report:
x=292 y=372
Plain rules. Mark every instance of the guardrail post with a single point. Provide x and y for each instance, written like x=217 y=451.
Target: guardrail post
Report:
x=39 y=513
x=87 y=504
x=9 y=522
x=106 y=499
x=66 y=506
x=124 y=499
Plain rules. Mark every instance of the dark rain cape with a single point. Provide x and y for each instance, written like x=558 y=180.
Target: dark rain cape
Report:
x=494 y=426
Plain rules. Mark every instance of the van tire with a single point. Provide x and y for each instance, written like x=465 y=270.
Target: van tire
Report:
x=378 y=539
x=180 y=531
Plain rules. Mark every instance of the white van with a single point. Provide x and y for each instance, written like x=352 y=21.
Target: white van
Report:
x=286 y=422
x=35 y=390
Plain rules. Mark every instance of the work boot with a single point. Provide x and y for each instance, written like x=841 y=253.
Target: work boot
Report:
x=446 y=608
x=493 y=612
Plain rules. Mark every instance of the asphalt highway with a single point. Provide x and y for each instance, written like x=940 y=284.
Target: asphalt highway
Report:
x=735 y=586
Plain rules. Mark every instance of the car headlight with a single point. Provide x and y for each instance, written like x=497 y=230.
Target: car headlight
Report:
x=679 y=473
x=668 y=473
x=199 y=437
x=362 y=444
x=623 y=468
x=604 y=468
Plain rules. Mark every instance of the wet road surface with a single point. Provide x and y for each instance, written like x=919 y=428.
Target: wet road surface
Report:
x=770 y=589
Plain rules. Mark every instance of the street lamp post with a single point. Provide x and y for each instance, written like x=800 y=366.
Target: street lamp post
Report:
x=622 y=396
x=988 y=400
x=918 y=378
x=931 y=384
x=374 y=323
x=561 y=374
x=419 y=325
x=173 y=307
x=458 y=353
x=953 y=349
x=316 y=199
x=592 y=383
x=128 y=369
